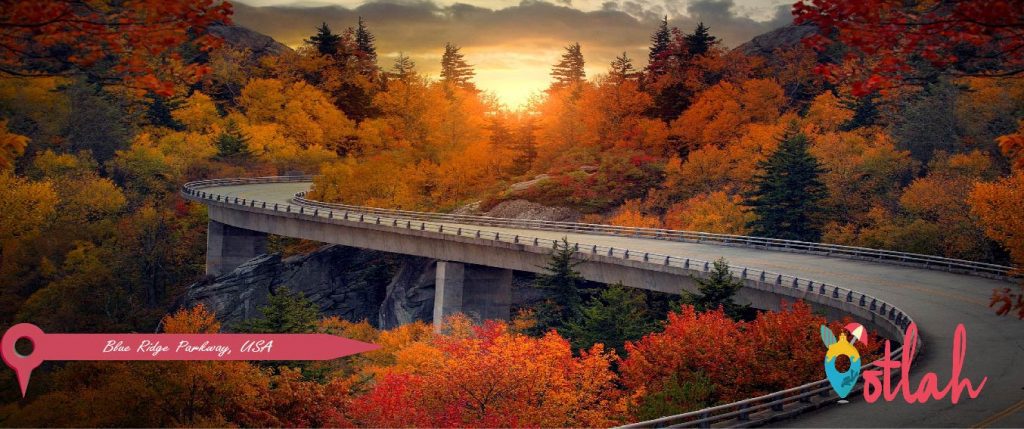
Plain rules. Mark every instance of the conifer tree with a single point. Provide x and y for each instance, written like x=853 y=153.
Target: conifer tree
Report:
x=666 y=73
x=159 y=111
x=616 y=315
x=674 y=79
x=787 y=193
x=564 y=282
x=501 y=135
x=404 y=68
x=569 y=72
x=525 y=146
x=661 y=40
x=455 y=72
x=325 y=42
x=700 y=41
x=717 y=290
x=865 y=110
x=365 y=41
x=231 y=142
x=622 y=69
x=286 y=312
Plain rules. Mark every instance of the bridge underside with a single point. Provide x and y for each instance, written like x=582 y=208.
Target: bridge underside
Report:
x=938 y=300
x=480 y=292
x=474 y=275
x=227 y=247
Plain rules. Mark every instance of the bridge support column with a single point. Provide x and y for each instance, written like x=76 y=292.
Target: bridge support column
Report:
x=227 y=247
x=478 y=291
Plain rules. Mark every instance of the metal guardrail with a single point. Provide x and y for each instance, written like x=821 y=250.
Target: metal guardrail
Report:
x=738 y=412
x=851 y=252
x=981 y=269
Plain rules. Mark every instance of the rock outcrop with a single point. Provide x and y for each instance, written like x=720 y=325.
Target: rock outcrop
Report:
x=409 y=296
x=343 y=281
x=765 y=44
x=241 y=38
x=385 y=289
x=522 y=209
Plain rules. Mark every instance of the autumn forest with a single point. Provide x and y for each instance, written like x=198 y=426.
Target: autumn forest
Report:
x=861 y=133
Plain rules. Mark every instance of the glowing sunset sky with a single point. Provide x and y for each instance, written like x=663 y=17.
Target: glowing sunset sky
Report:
x=512 y=44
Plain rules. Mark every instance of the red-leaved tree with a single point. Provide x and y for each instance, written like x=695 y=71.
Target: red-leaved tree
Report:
x=891 y=42
x=137 y=43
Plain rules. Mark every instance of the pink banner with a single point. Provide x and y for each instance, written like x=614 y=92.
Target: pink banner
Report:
x=169 y=347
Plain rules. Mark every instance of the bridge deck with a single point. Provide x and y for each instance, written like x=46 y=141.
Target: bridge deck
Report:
x=936 y=300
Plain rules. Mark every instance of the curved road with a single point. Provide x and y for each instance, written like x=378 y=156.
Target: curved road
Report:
x=936 y=300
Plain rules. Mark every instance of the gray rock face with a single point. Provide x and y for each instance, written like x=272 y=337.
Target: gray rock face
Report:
x=258 y=44
x=522 y=209
x=343 y=281
x=410 y=294
x=784 y=37
x=386 y=289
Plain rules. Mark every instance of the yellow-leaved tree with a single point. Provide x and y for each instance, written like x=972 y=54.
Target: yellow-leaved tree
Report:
x=998 y=205
x=11 y=146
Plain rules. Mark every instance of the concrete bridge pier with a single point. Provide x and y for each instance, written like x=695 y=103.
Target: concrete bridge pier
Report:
x=475 y=290
x=227 y=247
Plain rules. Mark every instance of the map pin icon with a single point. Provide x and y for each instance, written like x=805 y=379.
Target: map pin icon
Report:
x=168 y=346
x=22 y=364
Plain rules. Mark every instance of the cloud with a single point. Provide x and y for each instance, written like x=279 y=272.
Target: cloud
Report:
x=501 y=42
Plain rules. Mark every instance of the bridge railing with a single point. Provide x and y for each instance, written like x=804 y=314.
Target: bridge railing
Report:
x=852 y=252
x=862 y=253
x=881 y=313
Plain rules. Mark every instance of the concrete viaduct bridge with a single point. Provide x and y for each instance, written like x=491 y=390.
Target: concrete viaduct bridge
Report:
x=884 y=290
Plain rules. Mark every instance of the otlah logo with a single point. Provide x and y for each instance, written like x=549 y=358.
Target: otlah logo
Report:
x=878 y=382
x=843 y=382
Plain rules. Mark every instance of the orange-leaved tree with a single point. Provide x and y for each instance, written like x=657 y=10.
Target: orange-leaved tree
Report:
x=488 y=376
x=998 y=206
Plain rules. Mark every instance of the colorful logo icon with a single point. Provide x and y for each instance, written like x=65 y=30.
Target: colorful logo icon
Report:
x=842 y=382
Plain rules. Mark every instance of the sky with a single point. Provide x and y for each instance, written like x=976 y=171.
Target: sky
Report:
x=512 y=43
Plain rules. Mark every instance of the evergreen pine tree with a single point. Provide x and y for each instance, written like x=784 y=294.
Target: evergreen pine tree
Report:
x=403 y=69
x=455 y=72
x=569 y=72
x=355 y=73
x=286 y=312
x=365 y=41
x=787 y=193
x=159 y=111
x=365 y=54
x=661 y=40
x=700 y=41
x=618 y=314
x=501 y=135
x=325 y=42
x=564 y=282
x=231 y=142
x=622 y=69
x=717 y=290
x=668 y=76
x=865 y=111
x=525 y=146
